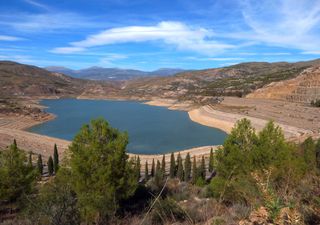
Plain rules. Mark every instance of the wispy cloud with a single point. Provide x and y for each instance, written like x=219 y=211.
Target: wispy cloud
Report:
x=214 y=58
x=109 y=60
x=178 y=34
x=311 y=53
x=48 y=22
x=18 y=58
x=37 y=4
x=286 y=23
x=10 y=38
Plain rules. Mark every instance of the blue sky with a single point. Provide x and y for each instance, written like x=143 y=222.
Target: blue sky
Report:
x=148 y=34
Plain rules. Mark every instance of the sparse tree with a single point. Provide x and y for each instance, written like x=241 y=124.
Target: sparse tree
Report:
x=30 y=159
x=318 y=153
x=180 y=168
x=138 y=168
x=152 y=169
x=50 y=166
x=309 y=152
x=187 y=168
x=172 y=166
x=146 y=171
x=14 y=145
x=202 y=169
x=40 y=164
x=158 y=173
x=163 y=165
x=55 y=159
x=194 y=170
x=211 y=160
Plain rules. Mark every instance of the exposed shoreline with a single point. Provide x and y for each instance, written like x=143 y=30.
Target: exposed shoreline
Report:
x=15 y=127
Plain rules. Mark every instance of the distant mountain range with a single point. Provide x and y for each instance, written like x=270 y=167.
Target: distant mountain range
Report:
x=100 y=73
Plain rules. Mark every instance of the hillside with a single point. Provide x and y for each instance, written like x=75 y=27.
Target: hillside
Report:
x=204 y=86
x=19 y=80
x=303 y=88
x=23 y=80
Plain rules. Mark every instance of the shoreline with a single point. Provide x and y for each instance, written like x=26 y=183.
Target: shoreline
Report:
x=16 y=127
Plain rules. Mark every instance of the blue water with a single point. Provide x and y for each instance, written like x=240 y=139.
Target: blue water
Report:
x=151 y=129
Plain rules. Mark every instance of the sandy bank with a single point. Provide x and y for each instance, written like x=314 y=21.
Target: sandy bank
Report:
x=172 y=104
x=208 y=116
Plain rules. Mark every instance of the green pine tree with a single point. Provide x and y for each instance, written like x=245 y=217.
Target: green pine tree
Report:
x=55 y=159
x=146 y=171
x=102 y=174
x=14 y=145
x=50 y=166
x=30 y=159
x=318 y=153
x=158 y=173
x=17 y=178
x=187 y=168
x=152 y=169
x=180 y=173
x=138 y=168
x=211 y=161
x=163 y=165
x=194 y=170
x=202 y=169
x=172 y=166
x=309 y=152
x=40 y=164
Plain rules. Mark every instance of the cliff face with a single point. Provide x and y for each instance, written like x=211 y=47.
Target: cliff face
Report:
x=304 y=88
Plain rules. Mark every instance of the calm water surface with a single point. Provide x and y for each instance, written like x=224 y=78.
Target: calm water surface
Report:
x=151 y=129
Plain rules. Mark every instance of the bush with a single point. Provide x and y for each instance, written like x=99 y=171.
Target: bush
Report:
x=250 y=167
x=56 y=203
x=167 y=211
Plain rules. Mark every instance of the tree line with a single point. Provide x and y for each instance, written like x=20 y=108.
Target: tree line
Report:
x=188 y=170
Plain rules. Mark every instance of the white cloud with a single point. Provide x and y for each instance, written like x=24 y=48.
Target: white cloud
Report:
x=10 y=38
x=286 y=23
x=176 y=34
x=67 y=50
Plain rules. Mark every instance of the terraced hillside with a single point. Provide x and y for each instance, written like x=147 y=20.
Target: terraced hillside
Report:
x=304 y=88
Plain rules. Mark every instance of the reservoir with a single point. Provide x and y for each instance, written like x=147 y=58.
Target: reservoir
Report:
x=151 y=129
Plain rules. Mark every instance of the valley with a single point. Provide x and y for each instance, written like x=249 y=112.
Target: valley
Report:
x=210 y=96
